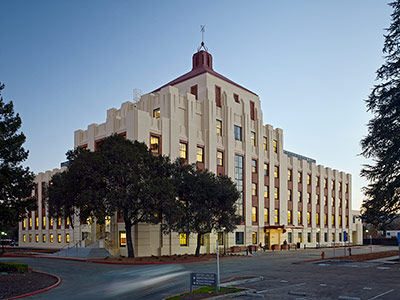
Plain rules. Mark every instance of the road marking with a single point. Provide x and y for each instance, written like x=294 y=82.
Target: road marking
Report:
x=348 y=298
x=282 y=287
x=367 y=288
x=284 y=281
x=380 y=295
x=383 y=268
x=322 y=284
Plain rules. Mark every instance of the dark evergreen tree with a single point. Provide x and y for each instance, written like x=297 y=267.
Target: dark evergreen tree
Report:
x=382 y=144
x=16 y=182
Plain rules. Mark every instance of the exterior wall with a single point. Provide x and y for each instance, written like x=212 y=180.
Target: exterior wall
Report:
x=183 y=118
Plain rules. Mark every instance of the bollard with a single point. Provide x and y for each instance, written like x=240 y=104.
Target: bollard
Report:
x=349 y=251
x=323 y=255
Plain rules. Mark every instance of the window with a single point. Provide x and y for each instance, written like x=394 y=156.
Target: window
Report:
x=254 y=214
x=300 y=196
x=43 y=238
x=347 y=188
x=37 y=238
x=30 y=238
x=30 y=222
x=156 y=113
x=333 y=236
x=289 y=195
x=51 y=221
x=220 y=158
x=317 y=218
x=200 y=154
x=220 y=238
x=265 y=143
x=308 y=237
x=24 y=238
x=59 y=238
x=193 y=91
x=289 y=235
x=23 y=223
x=122 y=239
x=333 y=184
x=183 y=150
x=299 y=237
x=37 y=222
x=299 y=218
x=254 y=166
x=254 y=237
x=333 y=201
x=340 y=202
x=325 y=183
x=238 y=133
x=346 y=203
x=326 y=237
x=318 y=236
x=67 y=238
x=317 y=199
x=325 y=200
x=275 y=145
x=239 y=237
x=239 y=182
x=51 y=238
x=308 y=198
x=354 y=219
x=254 y=189
x=43 y=222
x=183 y=241
x=265 y=169
x=252 y=111
x=276 y=216
x=333 y=220
x=317 y=181
x=340 y=220
x=340 y=236
x=59 y=221
x=340 y=186
x=266 y=215
x=276 y=172
x=347 y=221
x=253 y=138
x=289 y=217
x=308 y=218
x=67 y=221
x=217 y=96
x=300 y=177
x=155 y=144
x=276 y=193
x=266 y=191
x=308 y=179
x=236 y=98
x=289 y=175
x=325 y=219
x=219 y=127
x=202 y=239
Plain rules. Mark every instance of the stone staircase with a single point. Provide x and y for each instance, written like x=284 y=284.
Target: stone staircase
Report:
x=91 y=251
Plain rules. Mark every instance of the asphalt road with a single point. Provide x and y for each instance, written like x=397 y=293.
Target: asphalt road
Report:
x=283 y=277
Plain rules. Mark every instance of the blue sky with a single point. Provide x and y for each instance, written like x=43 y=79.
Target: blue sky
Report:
x=312 y=62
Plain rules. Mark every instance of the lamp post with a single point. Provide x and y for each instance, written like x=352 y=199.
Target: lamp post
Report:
x=319 y=237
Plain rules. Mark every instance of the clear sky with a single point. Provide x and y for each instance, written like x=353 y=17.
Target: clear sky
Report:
x=312 y=62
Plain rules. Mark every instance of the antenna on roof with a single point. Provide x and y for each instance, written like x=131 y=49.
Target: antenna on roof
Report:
x=136 y=95
x=202 y=30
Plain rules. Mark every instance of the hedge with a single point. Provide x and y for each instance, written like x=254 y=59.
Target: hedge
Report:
x=13 y=267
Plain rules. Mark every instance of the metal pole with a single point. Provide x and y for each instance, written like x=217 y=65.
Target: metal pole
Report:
x=370 y=243
x=217 y=289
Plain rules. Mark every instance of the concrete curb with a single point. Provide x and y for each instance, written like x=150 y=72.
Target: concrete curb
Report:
x=41 y=290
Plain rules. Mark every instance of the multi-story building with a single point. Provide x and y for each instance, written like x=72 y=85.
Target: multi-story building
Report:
x=210 y=120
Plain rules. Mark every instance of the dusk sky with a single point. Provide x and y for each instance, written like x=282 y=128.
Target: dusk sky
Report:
x=312 y=62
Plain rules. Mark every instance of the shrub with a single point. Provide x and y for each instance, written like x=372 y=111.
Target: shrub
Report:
x=13 y=267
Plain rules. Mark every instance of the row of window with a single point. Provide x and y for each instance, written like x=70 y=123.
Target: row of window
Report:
x=51 y=222
x=317 y=237
x=51 y=238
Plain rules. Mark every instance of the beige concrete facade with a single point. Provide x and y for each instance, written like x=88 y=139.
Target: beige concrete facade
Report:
x=274 y=181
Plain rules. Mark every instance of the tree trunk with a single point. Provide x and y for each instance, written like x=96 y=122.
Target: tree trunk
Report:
x=198 y=244
x=129 y=244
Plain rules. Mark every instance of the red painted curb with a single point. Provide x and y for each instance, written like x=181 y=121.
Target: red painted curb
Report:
x=39 y=291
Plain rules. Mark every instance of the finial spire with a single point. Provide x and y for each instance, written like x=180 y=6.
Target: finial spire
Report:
x=202 y=30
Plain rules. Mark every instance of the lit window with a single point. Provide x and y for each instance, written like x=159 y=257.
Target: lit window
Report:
x=289 y=217
x=308 y=198
x=200 y=154
x=155 y=144
x=238 y=133
x=59 y=221
x=347 y=188
x=253 y=138
x=220 y=238
x=317 y=199
x=51 y=238
x=59 y=238
x=276 y=193
x=300 y=177
x=340 y=202
x=299 y=237
x=308 y=179
x=43 y=222
x=265 y=143
x=156 y=113
x=37 y=238
x=340 y=186
x=333 y=236
x=254 y=166
x=265 y=191
x=340 y=220
x=299 y=218
x=183 y=150
x=317 y=218
x=275 y=145
x=254 y=237
x=122 y=239
x=300 y=196
x=220 y=158
x=24 y=238
x=265 y=169
x=30 y=238
x=317 y=181
x=325 y=200
x=325 y=183
x=67 y=221
x=333 y=201
x=254 y=214
x=183 y=241
x=24 y=224
x=325 y=219
x=333 y=184
x=276 y=172
x=67 y=238
x=219 y=127
x=202 y=239
x=36 y=222
x=51 y=222
x=276 y=216
x=289 y=175
x=308 y=218
x=289 y=195
x=333 y=220
x=265 y=215
x=44 y=238
x=254 y=189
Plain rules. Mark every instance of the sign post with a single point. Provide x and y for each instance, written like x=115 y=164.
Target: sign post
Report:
x=202 y=279
x=217 y=286
x=345 y=240
x=370 y=242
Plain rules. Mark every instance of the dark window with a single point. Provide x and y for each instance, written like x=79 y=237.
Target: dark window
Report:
x=252 y=114
x=236 y=98
x=193 y=91
x=239 y=238
x=218 y=96
x=238 y=133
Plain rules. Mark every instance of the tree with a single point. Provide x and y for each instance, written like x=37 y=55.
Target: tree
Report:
x=121 y=176
x=382 y=143
x=16 y=182
x=205 y=203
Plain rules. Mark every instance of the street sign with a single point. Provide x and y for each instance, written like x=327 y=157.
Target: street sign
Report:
x=203 y=279
x=345 y=236
x=398 y=237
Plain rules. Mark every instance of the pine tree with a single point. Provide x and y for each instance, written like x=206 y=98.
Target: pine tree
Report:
x=382 y=144
x=16 y=182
